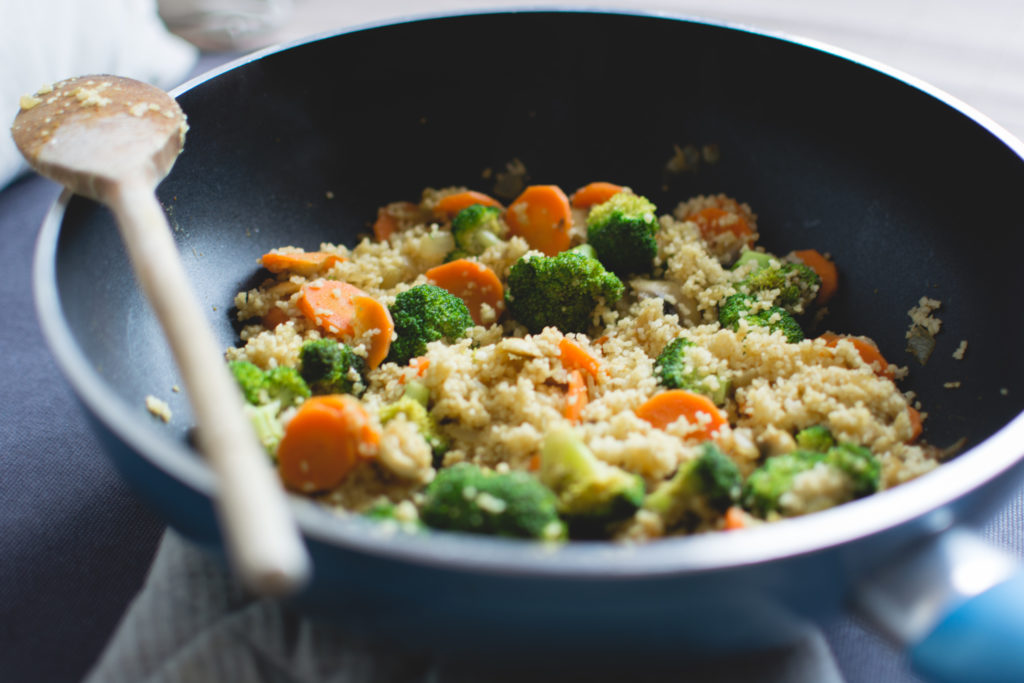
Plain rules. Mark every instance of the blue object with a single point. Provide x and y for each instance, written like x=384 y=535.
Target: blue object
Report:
x=981 y=641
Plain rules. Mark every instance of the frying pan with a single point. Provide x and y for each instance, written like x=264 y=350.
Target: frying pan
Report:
x=300 y=144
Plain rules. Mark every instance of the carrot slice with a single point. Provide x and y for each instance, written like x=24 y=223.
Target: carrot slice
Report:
x=867 y=349
x=370 y=315
x=826 y=270
x=594 y=193
x=533 y=464
x=303 y=263
x=541 y=216
x=387 y=222
x=575 y=358
x=473 y=282
x=576 y=398
x=323 y=442
x=665 y=408
x=735 y=518
x=916 y=424
x=328 y=305
x=274 y=317
x=451 y=204
x=714 y=221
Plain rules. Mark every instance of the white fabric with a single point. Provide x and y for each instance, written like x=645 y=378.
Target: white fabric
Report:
x=42 y=41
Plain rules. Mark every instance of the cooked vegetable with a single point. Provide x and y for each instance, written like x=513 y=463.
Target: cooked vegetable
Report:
x=560 y=291
x=866 y=348
x=739 y=306
x=324 y=441
x=541 y=216
x=591 y=493
x=388 y=218
x=576 y=397
x=594 y=193
x=815 y=438
x=826 y=271
x=282 y=385
x=374 y=325
x=328 y=305
x=416 y=412
x=423 y=314
x=474 y=283
x=573 y=357
x=265 y=422
x=714 y=221
x=478 y=227
x=465 y=497
x=305 y=263
x=450 y=205
x=794 y=285
x=702 y=489
x=331 y=367
x=621 y=230
x=762 y=259
x=665 y=408
x=675 y=371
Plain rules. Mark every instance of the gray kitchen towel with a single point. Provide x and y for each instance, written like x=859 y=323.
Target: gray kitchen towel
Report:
x=193 y=623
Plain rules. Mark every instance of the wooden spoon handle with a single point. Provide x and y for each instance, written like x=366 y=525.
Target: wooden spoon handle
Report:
x=262 y=539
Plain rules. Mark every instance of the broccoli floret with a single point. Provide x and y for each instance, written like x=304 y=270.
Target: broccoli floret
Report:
x=331 y=367
x=817 y=438
x=477 y=227
x=797 y=285
x=621 y=230
x=282 y=385
x=456 y=254
x=416 y=413
x=467 y=498
x=266 y=424
x=591 y=493
x=250 y=379
x=585 y=249
x=423 y=314
x=285 y=385
x=673 y=371
x=762 y=259
x=776 y=319
x=559 y=291
x=701 y=489
x=863 y=469
x=765 y=493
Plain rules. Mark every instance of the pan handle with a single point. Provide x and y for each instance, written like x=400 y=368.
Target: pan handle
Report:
x=957 y=603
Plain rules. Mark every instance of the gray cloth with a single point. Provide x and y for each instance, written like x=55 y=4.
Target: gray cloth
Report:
x=193 y=623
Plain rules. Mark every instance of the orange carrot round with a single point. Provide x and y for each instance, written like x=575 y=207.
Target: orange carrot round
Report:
x=576 y=397
x=714 y=221
x=451 y=204
x=324 y=441
x=575 y=358
x=665 y=408
x=594 y=193
x=473 y=282
x=371 y=316
x=387 y=222
x=735 y=518
x=867 y=349
x=541 y=216
x=328 y=305
x=826 y=270
x=274 y=317
x=916 y=423
x=302 y=263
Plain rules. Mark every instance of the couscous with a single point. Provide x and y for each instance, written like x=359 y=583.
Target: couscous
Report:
x=568 y=367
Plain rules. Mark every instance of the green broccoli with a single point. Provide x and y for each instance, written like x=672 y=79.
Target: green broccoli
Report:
x=331 y=367
x=416 y=413
x=456 y=254
x=797 y=285
x=762 y=259
x=674 y=371
x=423 y=314
x=701 y=489
x=591 y=493
x=559 y=291
x=765 y=493
x=815 y=438
x=467 y=498
x=268 y=428
x=776 y=319
x=621 y=230
x=282 y=385
x=250 y=379
x=477 y=227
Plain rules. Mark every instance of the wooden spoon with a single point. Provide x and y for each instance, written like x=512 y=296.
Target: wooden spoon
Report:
x=114 y=139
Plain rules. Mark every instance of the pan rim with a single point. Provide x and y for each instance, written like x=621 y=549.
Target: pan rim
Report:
x=927 y=497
